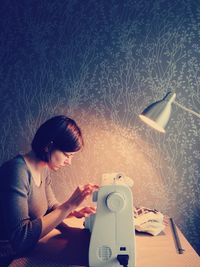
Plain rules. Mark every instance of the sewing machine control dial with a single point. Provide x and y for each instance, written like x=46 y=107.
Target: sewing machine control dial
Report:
x=115 y=202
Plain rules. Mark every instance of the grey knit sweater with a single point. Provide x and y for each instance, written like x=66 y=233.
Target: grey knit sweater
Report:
x=22 y=204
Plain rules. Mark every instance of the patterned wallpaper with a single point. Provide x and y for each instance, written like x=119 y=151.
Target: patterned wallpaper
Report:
x=101 y=63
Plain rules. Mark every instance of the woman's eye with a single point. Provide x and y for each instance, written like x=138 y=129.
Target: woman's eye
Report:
x=67 y=155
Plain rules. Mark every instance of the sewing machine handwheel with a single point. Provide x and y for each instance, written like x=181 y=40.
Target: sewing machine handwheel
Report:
x=115 y=202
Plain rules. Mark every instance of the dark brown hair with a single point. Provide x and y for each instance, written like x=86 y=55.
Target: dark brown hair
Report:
x=58 y=133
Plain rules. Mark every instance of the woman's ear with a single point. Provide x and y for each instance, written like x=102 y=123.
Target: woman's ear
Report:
x=48 y=150
x=49 y=147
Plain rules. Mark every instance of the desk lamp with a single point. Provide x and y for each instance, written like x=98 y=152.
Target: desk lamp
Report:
x=158 y=114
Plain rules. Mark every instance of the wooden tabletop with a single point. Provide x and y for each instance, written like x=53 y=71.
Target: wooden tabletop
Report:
x=160 y=251
x=57 y=250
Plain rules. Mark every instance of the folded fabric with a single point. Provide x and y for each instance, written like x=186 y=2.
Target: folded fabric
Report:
x=148 y=220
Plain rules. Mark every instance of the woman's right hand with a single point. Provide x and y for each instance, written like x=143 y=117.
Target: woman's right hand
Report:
x=80 y=194
x=57 y=215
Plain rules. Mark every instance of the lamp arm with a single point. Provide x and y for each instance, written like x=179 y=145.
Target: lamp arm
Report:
x=187 y=109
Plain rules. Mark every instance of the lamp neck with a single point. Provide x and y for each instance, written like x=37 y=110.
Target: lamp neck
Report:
x=187 y=109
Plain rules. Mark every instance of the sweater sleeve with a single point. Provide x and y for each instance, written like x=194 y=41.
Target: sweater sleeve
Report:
x=23 y=232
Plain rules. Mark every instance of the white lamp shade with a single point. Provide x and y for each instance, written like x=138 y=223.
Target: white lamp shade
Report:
x=158 y=114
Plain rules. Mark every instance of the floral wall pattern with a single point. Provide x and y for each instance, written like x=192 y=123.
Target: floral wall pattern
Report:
x=102 y=63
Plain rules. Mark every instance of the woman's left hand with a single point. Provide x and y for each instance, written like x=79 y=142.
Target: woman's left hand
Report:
x=83 y=212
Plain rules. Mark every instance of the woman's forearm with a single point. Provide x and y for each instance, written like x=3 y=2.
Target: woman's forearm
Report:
x=54 y=218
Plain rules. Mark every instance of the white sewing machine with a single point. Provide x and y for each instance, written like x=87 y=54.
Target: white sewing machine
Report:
x=112 y=242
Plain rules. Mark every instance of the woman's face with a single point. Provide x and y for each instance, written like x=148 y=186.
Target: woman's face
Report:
x=60 y=159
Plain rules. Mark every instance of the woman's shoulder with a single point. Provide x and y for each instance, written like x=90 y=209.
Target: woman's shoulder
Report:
x=15 y=162
x=14 y=169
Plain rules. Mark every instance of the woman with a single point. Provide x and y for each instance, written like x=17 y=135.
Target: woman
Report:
x=28 y=207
